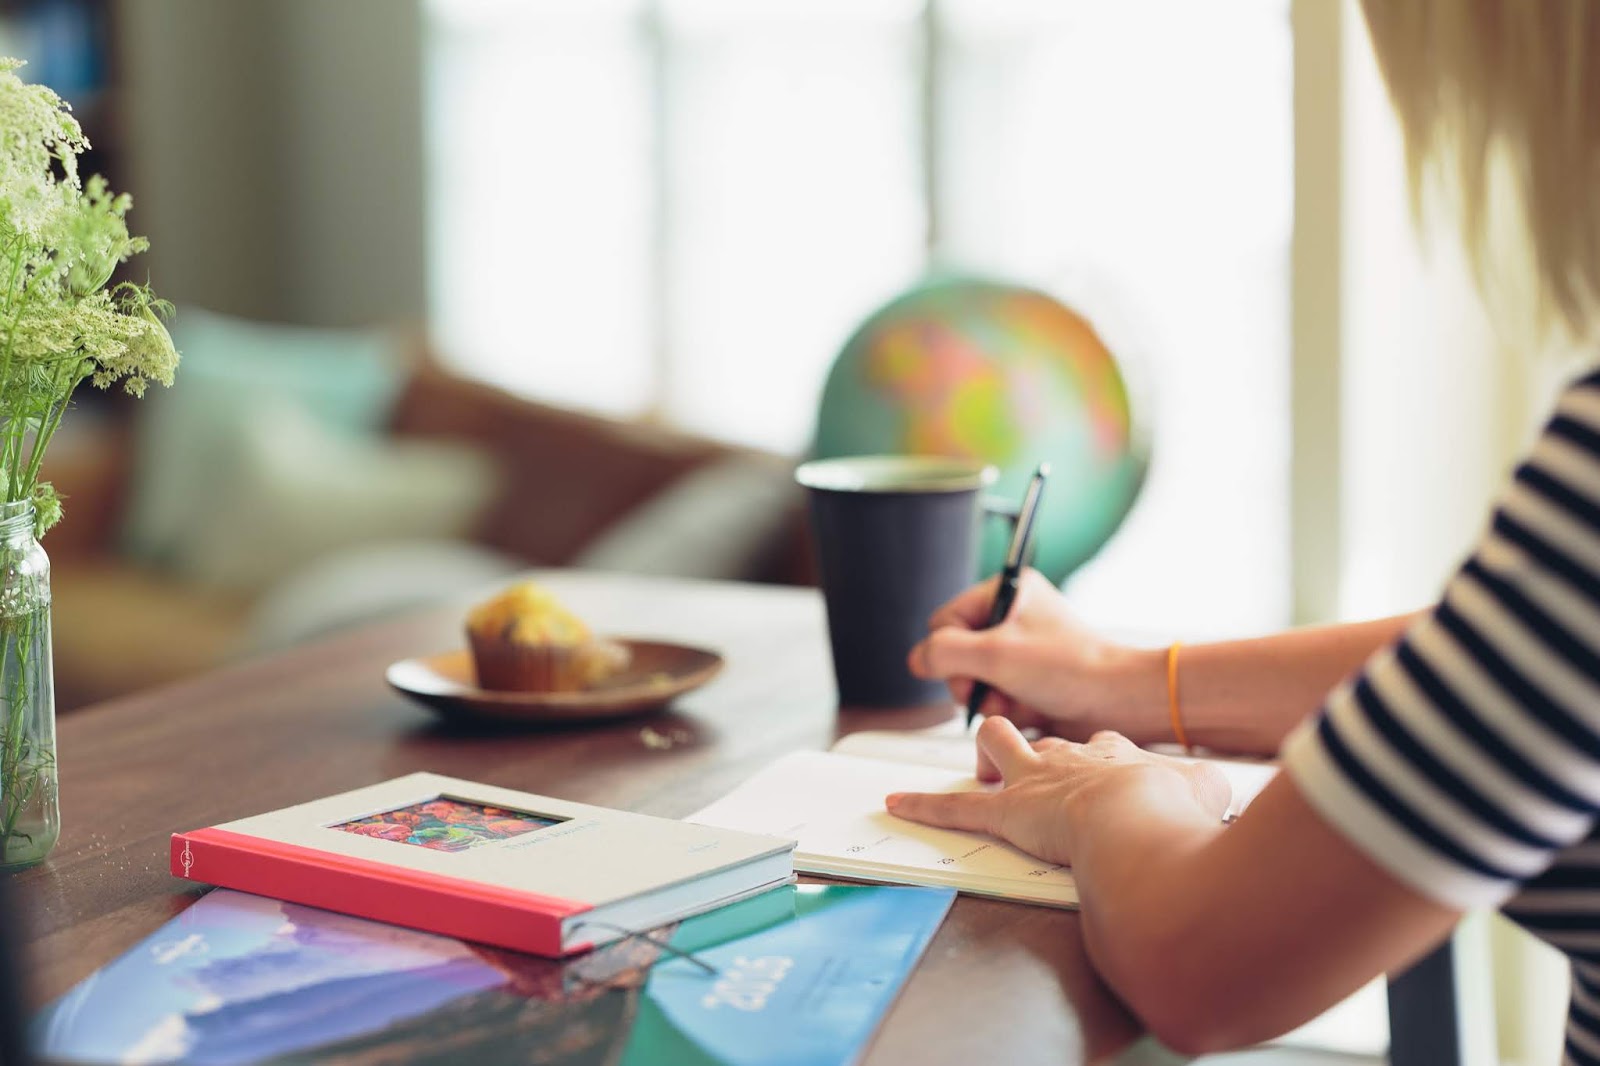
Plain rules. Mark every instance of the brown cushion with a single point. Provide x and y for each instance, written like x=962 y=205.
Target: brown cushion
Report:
x=117 y=629
x=568 y=475
x=88 y=463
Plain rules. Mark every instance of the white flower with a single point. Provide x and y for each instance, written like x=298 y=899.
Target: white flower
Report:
x=36 y=128
x=61 y=242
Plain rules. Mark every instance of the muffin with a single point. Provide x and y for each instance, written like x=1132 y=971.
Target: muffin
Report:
x=523 y=640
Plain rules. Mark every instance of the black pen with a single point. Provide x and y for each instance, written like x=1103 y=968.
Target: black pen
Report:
x=1005 y=592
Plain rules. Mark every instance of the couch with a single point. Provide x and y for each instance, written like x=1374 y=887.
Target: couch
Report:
x=568 y=489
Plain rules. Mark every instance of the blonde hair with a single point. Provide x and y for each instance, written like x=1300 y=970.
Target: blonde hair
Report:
x=1477 y=83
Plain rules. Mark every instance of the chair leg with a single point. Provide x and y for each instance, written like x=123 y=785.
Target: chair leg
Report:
x=1424 y=1015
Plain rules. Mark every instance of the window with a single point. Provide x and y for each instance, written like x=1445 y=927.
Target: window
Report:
x=682 y=208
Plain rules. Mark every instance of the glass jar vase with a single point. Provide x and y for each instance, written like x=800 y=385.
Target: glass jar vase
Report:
x=30 y=814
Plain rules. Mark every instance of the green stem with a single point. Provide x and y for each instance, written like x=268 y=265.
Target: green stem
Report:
x=24 y=763
x=6 y=457
x=47 y=429
x=16 y=430
x=16 y=728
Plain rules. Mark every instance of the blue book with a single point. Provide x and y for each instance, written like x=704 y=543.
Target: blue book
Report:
x=804 y=974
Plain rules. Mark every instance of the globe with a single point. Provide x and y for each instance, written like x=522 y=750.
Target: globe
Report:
x=979 y=369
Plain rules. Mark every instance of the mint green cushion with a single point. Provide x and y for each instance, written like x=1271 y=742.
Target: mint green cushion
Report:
x=346 y=380
x=297 y=493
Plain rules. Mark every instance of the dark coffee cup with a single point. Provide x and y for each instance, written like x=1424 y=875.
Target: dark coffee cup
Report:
x=895 y=537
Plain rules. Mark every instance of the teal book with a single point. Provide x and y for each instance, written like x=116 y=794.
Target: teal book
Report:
x=798 y=976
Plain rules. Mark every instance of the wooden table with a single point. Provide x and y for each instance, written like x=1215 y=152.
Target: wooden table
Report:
x=1002 y=982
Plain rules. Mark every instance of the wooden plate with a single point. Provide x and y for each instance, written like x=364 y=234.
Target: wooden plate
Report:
x=657 y=673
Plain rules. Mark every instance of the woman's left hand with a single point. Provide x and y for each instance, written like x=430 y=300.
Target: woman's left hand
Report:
x=1049 y=783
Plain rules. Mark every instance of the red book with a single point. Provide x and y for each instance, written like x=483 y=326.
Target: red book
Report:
x=488 y=864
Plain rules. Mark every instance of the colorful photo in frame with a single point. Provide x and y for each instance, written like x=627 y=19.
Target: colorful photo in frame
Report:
x=445 y=824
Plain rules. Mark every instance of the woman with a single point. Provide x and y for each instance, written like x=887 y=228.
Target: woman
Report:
x=1456 y=764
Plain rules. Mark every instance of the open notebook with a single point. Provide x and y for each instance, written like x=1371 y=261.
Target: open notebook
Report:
x=832 y=803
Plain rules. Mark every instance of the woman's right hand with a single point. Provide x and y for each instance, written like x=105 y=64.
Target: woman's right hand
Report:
x=1045 y=670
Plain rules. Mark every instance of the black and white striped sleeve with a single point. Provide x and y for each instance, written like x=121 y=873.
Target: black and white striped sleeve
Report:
x=1466 y=756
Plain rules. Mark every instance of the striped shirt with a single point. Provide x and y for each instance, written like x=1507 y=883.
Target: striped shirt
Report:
x=1465 y=759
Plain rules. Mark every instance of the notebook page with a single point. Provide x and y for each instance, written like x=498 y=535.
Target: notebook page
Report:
x=942 y=746
x=952 y=747
x=832 y=805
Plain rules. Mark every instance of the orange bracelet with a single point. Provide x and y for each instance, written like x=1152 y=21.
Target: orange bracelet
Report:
x=1172 y=696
